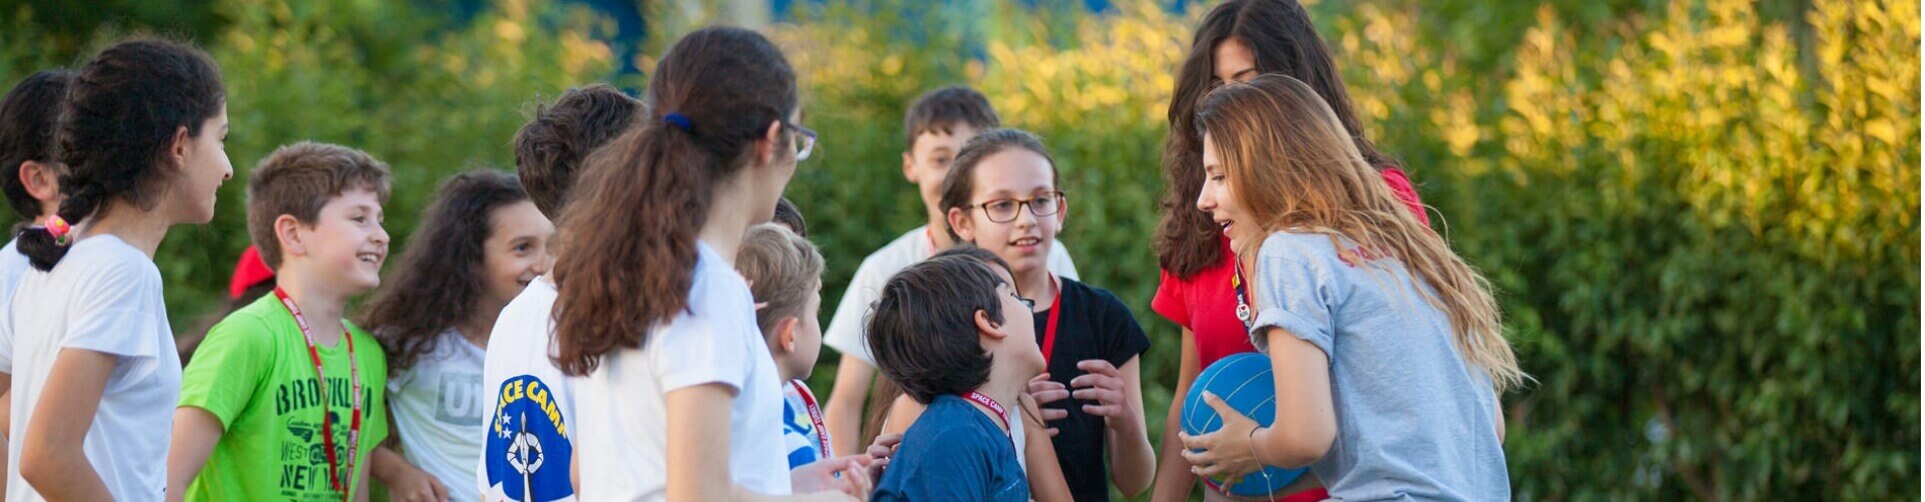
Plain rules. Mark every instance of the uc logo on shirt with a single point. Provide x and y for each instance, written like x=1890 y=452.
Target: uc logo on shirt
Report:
x=528 y=448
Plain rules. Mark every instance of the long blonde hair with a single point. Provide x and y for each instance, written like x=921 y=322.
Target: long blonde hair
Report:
x=1290 y=163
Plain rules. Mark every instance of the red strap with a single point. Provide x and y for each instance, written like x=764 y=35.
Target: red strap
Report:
x=320 y=378
x=1049 y=329
x=815 y=416
x=985 y=400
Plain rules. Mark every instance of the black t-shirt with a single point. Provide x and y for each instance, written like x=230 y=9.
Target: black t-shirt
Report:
x=1093 y=325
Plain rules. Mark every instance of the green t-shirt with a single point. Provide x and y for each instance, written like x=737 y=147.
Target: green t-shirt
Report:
x=253 y=373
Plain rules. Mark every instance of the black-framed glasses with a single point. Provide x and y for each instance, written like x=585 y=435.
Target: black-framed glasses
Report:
x=1027 y=303
x=1006 y=210
x=805 y=141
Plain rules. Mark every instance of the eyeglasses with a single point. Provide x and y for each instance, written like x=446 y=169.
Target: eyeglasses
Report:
x=805 y=141
x=1027 y=303
x=1005 y=210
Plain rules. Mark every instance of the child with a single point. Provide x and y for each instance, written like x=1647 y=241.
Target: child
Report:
x=29 y=178
x=480 y=242
x=1002 y=195
x=285 y=399
x=93 y=366
x=953 y=334
x=1348 y=289
x=676 y=386
x=784 y=272
x=937 y=125
x=1237 y=40
x=549 y=151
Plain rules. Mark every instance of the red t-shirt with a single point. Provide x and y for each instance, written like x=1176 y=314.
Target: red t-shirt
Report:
x=1206 y=303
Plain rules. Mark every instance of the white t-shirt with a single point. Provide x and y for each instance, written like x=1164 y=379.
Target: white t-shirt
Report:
x=437 y=409
x=622 y=403
x=104 y=296
x=845 y=332
x=528 y=406
x=13 y=266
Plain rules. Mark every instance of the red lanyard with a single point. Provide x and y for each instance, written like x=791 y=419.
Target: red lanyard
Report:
x=320 y=377
x=815 y=416
x=1055 y=312
x=985 y=400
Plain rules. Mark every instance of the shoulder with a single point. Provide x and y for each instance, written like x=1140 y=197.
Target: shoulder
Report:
x=717 y=291
x=910 y=247
x=107 y=257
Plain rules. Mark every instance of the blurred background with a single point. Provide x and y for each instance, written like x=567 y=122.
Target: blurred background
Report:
x=1702 y=215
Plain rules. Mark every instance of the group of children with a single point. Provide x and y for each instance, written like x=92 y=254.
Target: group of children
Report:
x=632 y=315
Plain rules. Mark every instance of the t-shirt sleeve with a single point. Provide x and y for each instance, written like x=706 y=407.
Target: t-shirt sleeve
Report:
x=1126 y=337
x=952 y=465
x=229 y=365
x=846 y=327
x=696 y=351
x=1060 y=262
x=1169 y=301
x=1406 y=192
x=115 y=311
x=1295 y=291
x=374 y=364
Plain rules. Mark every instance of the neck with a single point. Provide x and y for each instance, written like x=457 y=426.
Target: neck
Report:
x=141 y=229
x=938 y=232
x=1040 y=286
x=728 y=219
x=320 y=304
x=1004 y=387
x=477 y=328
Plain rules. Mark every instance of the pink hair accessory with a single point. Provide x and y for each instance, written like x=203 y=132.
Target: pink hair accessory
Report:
x=61 y=231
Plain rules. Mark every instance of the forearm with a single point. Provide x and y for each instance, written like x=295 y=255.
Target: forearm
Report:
x=195 y=434
x=843 y=416
x=1173 y=477
x=386 y=465
x=1046 y=483
x=1132 y=461
x=63 y=475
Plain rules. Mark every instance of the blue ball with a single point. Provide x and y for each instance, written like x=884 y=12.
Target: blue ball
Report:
x=1244 y=382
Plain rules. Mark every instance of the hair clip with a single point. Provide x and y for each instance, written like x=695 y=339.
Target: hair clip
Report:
x=62 y=232
x=678 y=120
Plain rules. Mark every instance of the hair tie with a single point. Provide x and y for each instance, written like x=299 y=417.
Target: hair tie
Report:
x=62 y=232
x=678 y=120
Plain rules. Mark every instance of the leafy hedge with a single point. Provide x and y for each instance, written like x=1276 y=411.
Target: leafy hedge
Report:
x=1702 y=215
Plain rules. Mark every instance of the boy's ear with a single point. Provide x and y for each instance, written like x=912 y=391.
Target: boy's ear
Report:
x=959 y=221
x=908 y=166
x=287 y=230
x=989 y=328
x=785 y=333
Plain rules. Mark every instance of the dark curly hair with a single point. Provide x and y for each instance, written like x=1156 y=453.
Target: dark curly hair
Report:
x=439 y=282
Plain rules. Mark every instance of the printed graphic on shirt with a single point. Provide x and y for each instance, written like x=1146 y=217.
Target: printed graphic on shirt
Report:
x=459 y=399
x=304 y=459
x=528 y=447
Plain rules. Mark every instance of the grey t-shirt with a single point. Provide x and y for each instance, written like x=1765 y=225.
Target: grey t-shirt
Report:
x=1414 y=419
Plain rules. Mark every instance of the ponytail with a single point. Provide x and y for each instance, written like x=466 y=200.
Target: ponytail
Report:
x=628 y=238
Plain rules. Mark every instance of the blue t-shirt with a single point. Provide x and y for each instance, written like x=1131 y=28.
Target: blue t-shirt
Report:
x=1415 y=420
x=954 y=452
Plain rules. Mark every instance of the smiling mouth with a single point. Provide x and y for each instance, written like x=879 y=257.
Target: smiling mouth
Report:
x=1026 y=241
x=369 y=258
